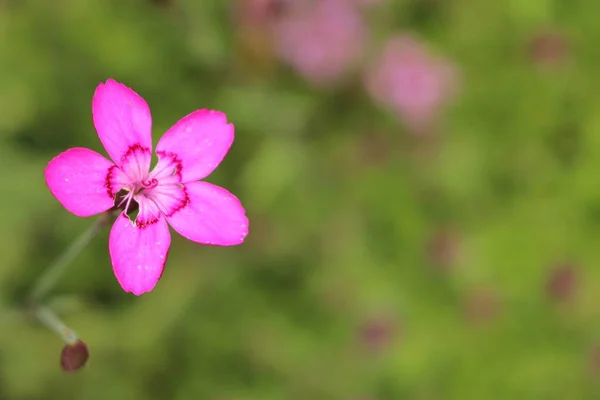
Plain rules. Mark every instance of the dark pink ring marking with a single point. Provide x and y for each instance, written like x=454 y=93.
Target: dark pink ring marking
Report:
x=149 y=184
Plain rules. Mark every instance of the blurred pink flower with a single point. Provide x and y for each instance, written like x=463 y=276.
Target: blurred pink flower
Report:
x=257 y=12
x=549 y=48
x=369 y=3
x=412 y=82
x=321 y=39
x=562 y=282
x=443 y=249
x=253 y=22
x=86 y=183
x=378 y=332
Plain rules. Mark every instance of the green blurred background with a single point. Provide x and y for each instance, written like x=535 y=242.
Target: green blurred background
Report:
x=380 y=265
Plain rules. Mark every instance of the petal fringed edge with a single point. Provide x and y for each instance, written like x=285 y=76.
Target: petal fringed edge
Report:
x=197 y=144
x=212 y=215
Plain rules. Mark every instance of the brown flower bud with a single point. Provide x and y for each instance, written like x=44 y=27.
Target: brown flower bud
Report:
x=378 y=332
x=549 y=48
x=443 y=249
x=594 y=361
x=74 y=356
x=562 y=282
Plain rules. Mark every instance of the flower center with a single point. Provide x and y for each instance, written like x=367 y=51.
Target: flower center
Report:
x=141 y=186
x=126 y=197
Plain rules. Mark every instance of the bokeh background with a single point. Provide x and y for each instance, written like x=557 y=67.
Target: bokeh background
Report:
x=421 y=178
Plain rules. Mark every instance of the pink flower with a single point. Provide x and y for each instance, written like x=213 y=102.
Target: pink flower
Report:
x=369 y=3
x=412 y=82
x=257 y=12
x=321 y=39
x=86 y=183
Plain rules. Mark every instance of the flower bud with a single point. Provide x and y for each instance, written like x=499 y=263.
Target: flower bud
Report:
x=443 y=249
x=74 y=356
x=549 y=48
x=562 y=282
x=378 y=332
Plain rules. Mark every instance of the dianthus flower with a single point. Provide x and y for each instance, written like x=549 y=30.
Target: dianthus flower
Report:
x=86 y=183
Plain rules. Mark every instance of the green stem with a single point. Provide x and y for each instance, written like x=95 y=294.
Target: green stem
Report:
x=55 y=270
x=48 y=318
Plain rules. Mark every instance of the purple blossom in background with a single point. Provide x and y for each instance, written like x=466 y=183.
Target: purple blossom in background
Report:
x=410 y=81
x=258 y=11
x=87 y=183
x=378 y=332
x=443 y=249
x=369 y=3
x=549 y=49
x=562 y=282
x=252 y=21
x=322 y=40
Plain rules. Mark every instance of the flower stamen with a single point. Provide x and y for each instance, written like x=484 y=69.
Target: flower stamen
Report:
x=129 y=197
x=124 y=199
x=149 y=184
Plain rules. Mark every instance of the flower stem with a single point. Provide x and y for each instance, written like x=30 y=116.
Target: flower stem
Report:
x=52 y=274
x=49 y=318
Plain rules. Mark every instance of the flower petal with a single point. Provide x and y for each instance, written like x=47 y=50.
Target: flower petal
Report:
x=139 y=253
x=212 y=215
x=198 y=142
x=79 y=179
x=168 y=198
x=136 y=162
x=122 y=119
